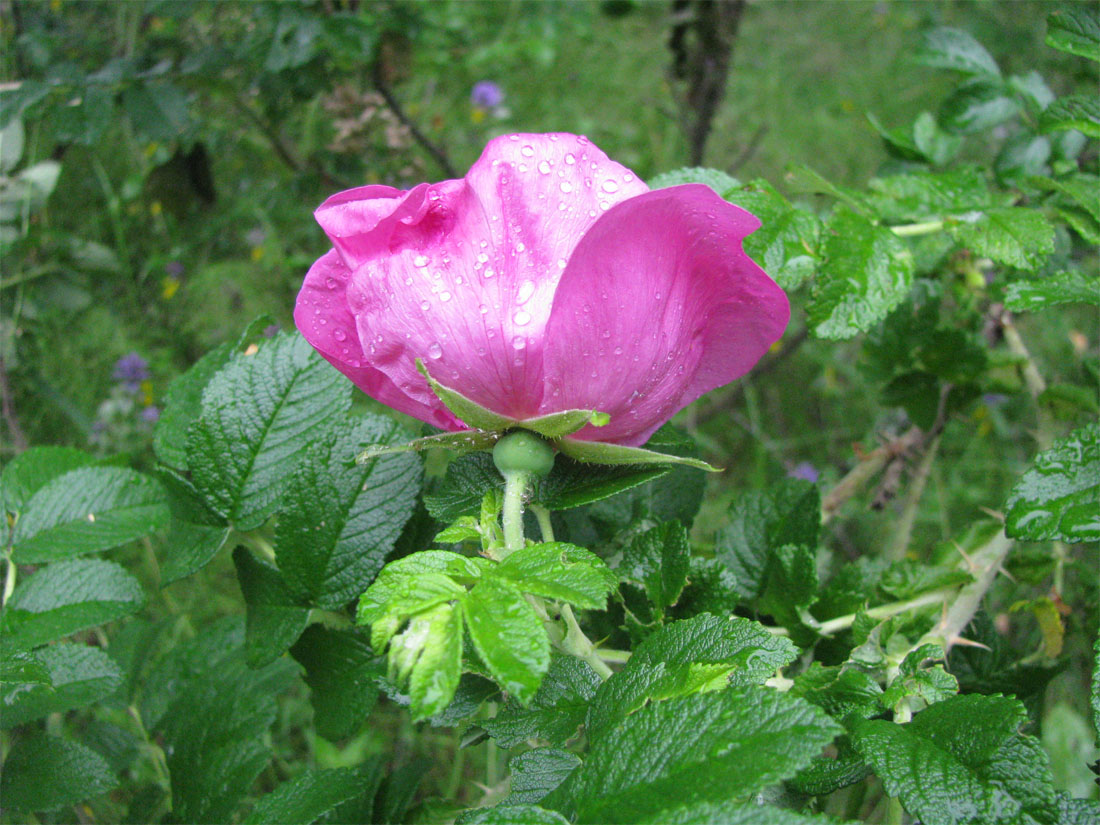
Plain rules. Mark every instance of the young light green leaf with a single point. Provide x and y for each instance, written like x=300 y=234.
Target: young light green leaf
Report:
x=438 y=664
x=937 y=145
x=339 y=520
x=867 y=272
x=716 y=179
x=43 y=773
x=947 y=48
x=702 y=653
x=341 y=669
x=87 y=510
x=393 y=599
x=929 y=685
x=1069 y=287
x=65 y=597
x=257 y=415
x=275 y=618
x=556 y=711
x=658 y=560
x=708 y=748
x=556 y=570
x=962 y=760
x=508 y=636
x=732 y=812
x=1075 y=29
x=1059 y=497
x=1080 y=112
x=306 y=798
x=79 y=676
x=1014 y=235
x=511 y=815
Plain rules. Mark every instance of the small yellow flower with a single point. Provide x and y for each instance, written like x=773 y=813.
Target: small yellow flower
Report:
x=146 y=392
x=257 y=253
x=477 y=115
x=169 y=287
x=155 y=208
x=151 y=149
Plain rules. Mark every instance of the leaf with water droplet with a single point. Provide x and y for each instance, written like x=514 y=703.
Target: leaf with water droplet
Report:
x=1059 y=497
x=597 y=452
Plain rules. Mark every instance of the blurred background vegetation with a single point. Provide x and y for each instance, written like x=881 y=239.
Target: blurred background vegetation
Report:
x=176 y=149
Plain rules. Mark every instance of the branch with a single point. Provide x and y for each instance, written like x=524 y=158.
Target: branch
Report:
x=436 y=152
x=18 y=438
x=869 y=466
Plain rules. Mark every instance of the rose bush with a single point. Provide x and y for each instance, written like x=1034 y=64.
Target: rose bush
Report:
x=549 y=279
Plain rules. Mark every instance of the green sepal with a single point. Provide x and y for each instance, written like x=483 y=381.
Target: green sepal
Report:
x=465 y=441
x=596 y=452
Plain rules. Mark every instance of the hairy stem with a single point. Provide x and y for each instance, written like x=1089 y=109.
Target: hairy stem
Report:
x=515 y=486
x=545 y=527
x=577 y=644
x=983 y=565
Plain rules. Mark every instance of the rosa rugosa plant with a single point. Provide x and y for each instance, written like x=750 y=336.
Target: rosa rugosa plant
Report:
x=548 y=289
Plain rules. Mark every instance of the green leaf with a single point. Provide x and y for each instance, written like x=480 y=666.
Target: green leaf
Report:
x=307 y=797
x=708 y=748
x=339 y=520
x=658 y=560
x=65 y=597
x=275 y=618
x=760 y=522
x=511 y=815
x=1013 y=235
x=556 y=570
x=79 y=676
x=459 y=443
x=555 y=712
x=157 y=110
x=1080 y=112
x=508 y=636
x=731 y=812
x=596 y=452
x=183 y=404
x=574 y=484
x=429 y=655
x=786 y=242
x=217 y=718
x=1059 y=497
x=920 y=195
x=257 y=415
x=411 y=585
x=1022 y=155
x=29 y=471
x=962 y=760
x=537 y=772
x=839 y=691
x=930 y=685
x=1070 y=287
x=791 y=583
x=87 y=510
x=705 y=652
x=867 y=272
x=947 y=48
x=190 y=547
x=937 y=145
x=716 y=179
x=977 y=106
x=1075 y=29
x=341 y=669
x=43 y=773
x=1095 y=699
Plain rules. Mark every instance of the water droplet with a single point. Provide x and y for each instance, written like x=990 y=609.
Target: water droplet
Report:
x=520 y=246
x=408 y=281
x=565 y=186
x=484 y=310
x=561 y=263
x=605 y=334
x=435 y=352
x=628 y=177
x=544 y=167
x=482 y=258
x=604 y=205
x=526 y=290
x=378 y=338
x=444 y=296
x=339 y=335
x=523 y=167
x=425 y=305
x=570 y=158
x=519 y=343
x=595 y=374
x=609 y=186
x=522 y=318
x=618 y=350
x=527 y=151
x=488 y=273
x=420 y=260
x=330 y=283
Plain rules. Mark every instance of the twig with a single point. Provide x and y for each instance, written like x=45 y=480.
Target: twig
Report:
x=18 y=438
x=750 y=148
x=436 y=152
x=870 y=466
x=1036 y=386
x=904 y=530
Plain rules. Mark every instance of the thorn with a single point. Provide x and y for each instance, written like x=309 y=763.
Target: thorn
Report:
x=959 y=640
x=1007 y=575
x=995 y=514
x=970 y=565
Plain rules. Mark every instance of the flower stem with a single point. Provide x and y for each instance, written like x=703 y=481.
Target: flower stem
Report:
x=515 y=486
x=910 y=229
x=545 y=527
x=10 y=575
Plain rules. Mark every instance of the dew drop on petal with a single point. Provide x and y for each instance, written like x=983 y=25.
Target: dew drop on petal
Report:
x=609 y=186
x=519 y=343
x=482 y=258
x=526 y=290
x=425 y=305
x=339 y=335
x=435 y=352
x=544 y=167
x=444 y=296
x=565 y=186
x=489 y=272
x=561 y=263
x=618 y=350
x=330 y=283
x=521 y=246
x=527 y=151
x=522 y=318
x=570 y=158
x=420 y=260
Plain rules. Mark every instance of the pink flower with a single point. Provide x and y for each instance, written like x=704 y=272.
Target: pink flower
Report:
x=548 y=279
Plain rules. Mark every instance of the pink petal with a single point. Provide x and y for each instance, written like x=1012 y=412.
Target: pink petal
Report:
x=322 y=315
x=462 y=274
x=658 y=305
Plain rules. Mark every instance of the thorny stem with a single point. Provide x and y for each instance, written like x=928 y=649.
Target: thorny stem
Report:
x=870 y=466
x=882 y=611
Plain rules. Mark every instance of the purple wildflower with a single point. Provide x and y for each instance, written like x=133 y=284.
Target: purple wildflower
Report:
x=486 y=95
x=173 y=269
x=271 y=330
x=150 y=414
x=804 y=470
x=256 y=237
x=130 y=370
